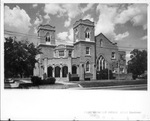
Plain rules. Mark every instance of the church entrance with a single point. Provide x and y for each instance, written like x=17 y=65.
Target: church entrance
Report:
x=50 y=71
x=64 y=71
x=57 y=71
x=74 y=69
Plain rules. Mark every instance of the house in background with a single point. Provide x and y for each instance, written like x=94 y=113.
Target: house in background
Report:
x=87 y=55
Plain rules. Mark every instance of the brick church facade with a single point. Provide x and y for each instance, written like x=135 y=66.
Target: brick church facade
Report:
x=87 y=55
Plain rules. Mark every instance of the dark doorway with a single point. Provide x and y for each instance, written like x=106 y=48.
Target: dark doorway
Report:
x=74 y=69
x=50 y=71
x=57 y=71
x=64 y=71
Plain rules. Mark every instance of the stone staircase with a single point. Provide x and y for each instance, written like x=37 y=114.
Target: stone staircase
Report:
x=62 y=79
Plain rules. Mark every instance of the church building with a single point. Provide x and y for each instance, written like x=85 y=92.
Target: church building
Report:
x=87 y=55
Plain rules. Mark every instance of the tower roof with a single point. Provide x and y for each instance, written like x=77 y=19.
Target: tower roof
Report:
x=46 y=27
x=84 y=22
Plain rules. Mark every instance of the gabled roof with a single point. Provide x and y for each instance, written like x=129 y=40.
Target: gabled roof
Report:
x=106 y=38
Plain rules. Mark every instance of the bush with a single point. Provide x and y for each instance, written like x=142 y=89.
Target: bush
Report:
x=74 y=78
x=87 y=79
x=36 y=80
x=49 y=80
x=134 y=76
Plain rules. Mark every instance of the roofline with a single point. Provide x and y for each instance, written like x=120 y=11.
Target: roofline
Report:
x=81 y=22
x=46 y=24
x=106 y=38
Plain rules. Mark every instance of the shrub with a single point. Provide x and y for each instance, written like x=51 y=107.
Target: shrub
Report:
x=49 y=80
x=74 y=79
x=134 y=76
x=87 y=79
x=36 y=80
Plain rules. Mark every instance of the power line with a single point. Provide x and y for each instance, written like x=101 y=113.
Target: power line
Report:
x=123 y=48
x=18 y=33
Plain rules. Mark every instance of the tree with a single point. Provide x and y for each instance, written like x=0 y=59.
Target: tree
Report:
x=19 y=58
x=138 y=63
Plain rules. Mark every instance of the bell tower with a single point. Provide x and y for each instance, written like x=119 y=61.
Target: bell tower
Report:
x=83 y=31
x=46 y=40
x=46 y=34
x=84 y=48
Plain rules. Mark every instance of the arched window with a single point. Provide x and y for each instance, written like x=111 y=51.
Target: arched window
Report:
x=87 y=33
x=87 y=66
x=101 y=43
x=47 y=37
x=101 y=63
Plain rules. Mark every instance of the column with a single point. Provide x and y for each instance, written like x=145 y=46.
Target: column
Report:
x=102 y=63
x=105 y=65
x=78 y=70
x=45 y=65
x=53 y=70
x=42 y=71
x=94 y=72
x=99 y=64
x=60 y=70
x=81 y=72
x=40 y=68
x=108 y=69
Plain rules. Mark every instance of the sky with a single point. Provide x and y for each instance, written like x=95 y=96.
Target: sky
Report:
x=125 y=24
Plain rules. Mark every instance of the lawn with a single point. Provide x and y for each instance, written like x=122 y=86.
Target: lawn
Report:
x=102 y=83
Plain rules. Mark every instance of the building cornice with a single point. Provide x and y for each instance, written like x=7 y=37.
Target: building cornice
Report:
x=83 y=41
x=43 y=44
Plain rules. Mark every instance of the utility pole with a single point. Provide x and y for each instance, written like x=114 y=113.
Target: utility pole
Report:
x=108 y=71
x=118 y=70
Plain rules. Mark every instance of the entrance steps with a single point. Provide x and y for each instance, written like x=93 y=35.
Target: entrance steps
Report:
x=62 y=79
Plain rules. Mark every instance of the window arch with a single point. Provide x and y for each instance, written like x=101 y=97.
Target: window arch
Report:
x=101 y=63
x=87 y=68
x=48 y=37
x=101 y=43
x=87 y=33
x=74 y=69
